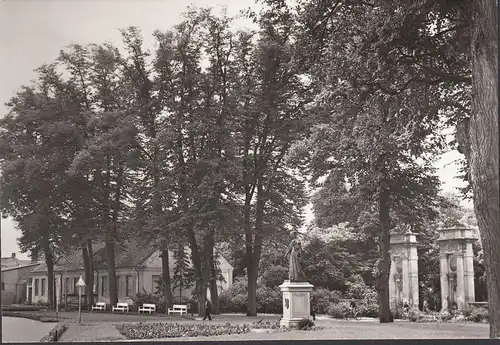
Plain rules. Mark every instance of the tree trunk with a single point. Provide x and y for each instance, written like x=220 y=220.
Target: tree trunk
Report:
x=86 y=269
x=90 y=279
x=384 y=263
x=212 y=273
x=214 y=291
x=49 y=260
x=165 y=267
x=200 y=282
x=484 y=158
x=253 y=253
x=110 y=263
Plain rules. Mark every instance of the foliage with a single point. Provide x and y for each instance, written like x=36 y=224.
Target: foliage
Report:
x=477 y=315
x=144 y=297
x=155 y=330
x=275 y=276
x=336 y=310
x=322 y=299
x=305 y=324
x=234 y=300
x=261 y=324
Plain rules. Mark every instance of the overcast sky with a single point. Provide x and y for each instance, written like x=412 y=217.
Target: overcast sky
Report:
x=33 y=32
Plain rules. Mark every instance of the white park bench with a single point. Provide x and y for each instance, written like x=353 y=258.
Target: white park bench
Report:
x=101 y=306
x=150 y=308
x=121 y=307
x=180 y=309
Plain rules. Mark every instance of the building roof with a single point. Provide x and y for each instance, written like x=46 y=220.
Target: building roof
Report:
x=12 y=262
x=29 y=264
x=127 y=255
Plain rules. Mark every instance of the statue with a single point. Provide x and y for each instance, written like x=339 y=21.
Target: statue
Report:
x=294 y=253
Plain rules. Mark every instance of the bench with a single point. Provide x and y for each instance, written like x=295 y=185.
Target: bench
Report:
x=180 y=309
x=121 y=307
x=479 y=304
x=150 y=308
x=101 y=306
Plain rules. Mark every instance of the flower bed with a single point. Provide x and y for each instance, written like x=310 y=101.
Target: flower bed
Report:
x=476 y=315
x=158 y=330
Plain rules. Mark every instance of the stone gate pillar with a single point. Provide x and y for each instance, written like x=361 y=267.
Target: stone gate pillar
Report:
x=403 y=282
x=456 y=268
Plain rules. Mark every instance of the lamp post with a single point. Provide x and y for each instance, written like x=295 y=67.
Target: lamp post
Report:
x=80 y=285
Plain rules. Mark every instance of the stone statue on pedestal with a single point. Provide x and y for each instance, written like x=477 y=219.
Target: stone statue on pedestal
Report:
x=294 y=253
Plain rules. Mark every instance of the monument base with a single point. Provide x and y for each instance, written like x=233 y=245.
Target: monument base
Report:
x=296 y=302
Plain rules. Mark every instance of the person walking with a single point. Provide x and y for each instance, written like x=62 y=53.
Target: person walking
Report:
x=208 y=310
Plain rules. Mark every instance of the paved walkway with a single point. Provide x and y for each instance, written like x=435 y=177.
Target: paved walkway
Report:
x=15 y=329
x=331 y=329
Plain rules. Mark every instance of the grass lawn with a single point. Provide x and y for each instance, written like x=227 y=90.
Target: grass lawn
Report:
x=328 y=329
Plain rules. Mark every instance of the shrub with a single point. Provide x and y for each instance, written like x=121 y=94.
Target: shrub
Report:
x=269 y=300
x=144 y=297
x=368 y=310
x=415 y=315
x=152 y=330
x=323 y=298
x=478 y=315
x=261 y=324
x=305 y=324
x=445 y=316
x=336 y=311
x=234 y=300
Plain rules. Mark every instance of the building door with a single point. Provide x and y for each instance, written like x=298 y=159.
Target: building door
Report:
x=30 y=294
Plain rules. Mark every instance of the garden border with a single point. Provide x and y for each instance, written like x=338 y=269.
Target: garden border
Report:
x=55 y=333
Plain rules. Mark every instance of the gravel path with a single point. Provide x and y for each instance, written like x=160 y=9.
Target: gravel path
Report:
x=16 y=329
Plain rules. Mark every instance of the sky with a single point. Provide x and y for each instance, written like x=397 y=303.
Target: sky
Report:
x=33 y=32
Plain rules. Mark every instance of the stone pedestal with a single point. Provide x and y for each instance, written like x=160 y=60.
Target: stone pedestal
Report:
x=296 y=302
x=456 y=268
x=403 y=282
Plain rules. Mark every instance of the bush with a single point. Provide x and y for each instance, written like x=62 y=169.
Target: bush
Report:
x=269 y=300
x=234 y=300
x=155 y=330
x=141 y=298
x=323 y=298
x=305 y=324
x=368 y=310
x=336 y=311
x=261 y=324
x=478 y=315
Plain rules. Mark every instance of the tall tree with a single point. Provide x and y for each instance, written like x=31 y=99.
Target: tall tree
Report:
x=271 y=99
x=37 y=145
x=483 y=134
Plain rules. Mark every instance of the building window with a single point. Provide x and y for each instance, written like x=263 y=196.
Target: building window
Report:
x=67 y=284
x=37 y=286
x=3 y=286
x=43 y=287
x=75 y=288
x=156 y=283
x=130 y=286
x=104 y=286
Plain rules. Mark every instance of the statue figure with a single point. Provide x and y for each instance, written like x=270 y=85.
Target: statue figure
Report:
x=294 y=253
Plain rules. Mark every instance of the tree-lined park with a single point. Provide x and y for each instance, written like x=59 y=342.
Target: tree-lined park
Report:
x=217 y=138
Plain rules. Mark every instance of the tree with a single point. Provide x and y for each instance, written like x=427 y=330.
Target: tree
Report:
x=37 y=144
x=271 y=98
x=483 y=134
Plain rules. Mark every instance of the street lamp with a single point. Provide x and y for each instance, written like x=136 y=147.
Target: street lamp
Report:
x=80 y=285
